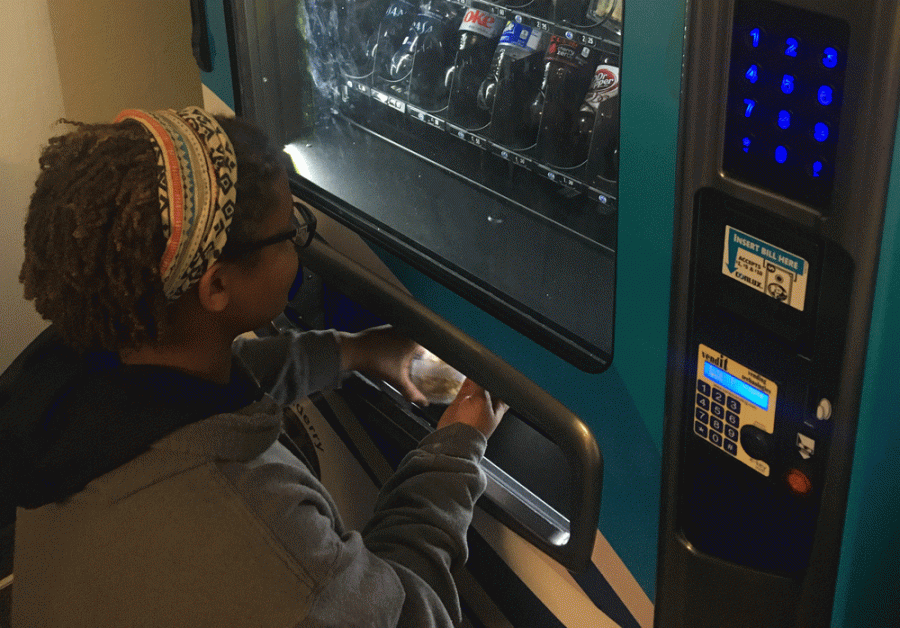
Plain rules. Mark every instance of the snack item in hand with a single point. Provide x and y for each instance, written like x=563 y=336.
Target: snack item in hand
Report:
x=437 y=380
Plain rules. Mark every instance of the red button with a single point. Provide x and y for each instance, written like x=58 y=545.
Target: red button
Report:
x=799 y=483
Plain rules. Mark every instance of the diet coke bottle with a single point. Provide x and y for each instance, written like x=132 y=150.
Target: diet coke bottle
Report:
x=478 y=37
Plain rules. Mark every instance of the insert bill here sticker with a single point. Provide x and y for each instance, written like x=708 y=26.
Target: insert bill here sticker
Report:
x=766 y=268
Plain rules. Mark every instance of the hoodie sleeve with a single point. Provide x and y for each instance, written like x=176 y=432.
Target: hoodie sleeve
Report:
x=398 y=571
x=292 y=364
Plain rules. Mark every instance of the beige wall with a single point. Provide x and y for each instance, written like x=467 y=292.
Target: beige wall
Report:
x=83 y=60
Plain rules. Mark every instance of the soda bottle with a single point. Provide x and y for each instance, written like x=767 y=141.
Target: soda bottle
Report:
x=511 y=83
x=395 y=24
x=566 y=78
x=516 y=42
x=478 y=36
x=425 y=53
x=597 y=123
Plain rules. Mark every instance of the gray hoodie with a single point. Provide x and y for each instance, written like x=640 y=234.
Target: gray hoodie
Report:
x=218 y=524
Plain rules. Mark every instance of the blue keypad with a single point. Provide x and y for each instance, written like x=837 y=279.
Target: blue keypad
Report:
x=785 y=90
x=717 y=417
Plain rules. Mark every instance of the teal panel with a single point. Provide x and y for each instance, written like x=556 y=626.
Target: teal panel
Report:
x=220 y=80
x=868 y=588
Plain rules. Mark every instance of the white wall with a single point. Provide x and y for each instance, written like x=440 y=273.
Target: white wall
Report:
x=83 y=60
x=30 y=98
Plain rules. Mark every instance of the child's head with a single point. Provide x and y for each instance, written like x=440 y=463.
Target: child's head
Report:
x=117 y=205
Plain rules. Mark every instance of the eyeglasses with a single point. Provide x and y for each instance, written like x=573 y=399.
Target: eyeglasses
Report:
x=300 y=236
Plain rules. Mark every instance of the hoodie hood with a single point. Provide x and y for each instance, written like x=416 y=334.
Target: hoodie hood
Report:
x=67 y=418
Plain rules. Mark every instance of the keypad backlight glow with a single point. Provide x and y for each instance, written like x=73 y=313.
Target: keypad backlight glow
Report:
x=785 y=90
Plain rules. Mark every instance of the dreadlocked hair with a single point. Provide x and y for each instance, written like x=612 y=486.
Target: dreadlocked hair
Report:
x=93 y=234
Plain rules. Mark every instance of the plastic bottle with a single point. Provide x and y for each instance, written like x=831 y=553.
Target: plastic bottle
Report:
x=425 y=53
x=516 y=42
x=394 y=26
x=512 y=81
x=566 y=79
x=478 y=37
x=597 y=123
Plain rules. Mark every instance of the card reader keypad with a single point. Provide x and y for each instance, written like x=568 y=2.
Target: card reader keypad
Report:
x=728 y=397
x=717 y=417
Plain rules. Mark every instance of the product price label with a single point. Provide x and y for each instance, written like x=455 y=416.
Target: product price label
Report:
x=424 y=116
x=777 y=273
x=356 y=86
x=466 y=136
x=388 y=100
x=510 y=156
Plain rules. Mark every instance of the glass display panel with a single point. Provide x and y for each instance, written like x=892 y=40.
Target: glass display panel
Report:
x=478 y=141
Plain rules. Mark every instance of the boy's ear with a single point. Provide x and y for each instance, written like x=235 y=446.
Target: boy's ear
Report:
x=213 y=288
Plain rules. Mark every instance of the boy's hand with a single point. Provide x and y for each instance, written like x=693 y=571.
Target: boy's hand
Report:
x=382 y=353
x=474 y=406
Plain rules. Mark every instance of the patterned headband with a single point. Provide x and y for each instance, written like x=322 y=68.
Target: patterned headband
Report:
x=196 y=194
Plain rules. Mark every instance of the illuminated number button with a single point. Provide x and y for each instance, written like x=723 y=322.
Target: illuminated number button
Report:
x=731 y=447
x=784 y=119
x=716 y=438
x=717 y=411
x=755 y=36
x=816 y=168
x=830 y=58
x=703 y=387
x=700 y=429
x=734 y=405
x=749 y=104
x=717 y=425
x=781 y=154
x=731 y=433
x=787 y=84
x=702 y=415
x=703 y=402
x=825 y=95
x=820 y=131
x=790 y=46
x=752 y=73
x=718 y=396
x=746 y=143
x=732 y=419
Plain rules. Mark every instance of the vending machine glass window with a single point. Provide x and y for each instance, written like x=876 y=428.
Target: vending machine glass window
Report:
x=476 y=141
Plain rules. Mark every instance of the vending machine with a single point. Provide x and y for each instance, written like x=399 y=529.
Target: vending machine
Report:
x=664 y=232
x=780 y=456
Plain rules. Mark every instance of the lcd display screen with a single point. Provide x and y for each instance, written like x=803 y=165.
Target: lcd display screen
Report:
x=733 y=384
